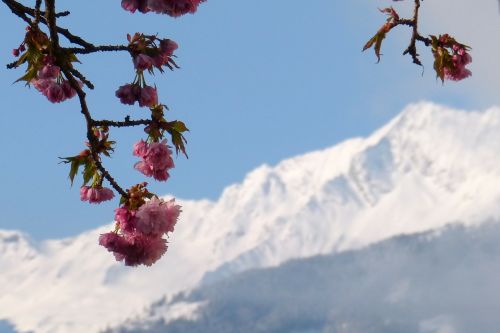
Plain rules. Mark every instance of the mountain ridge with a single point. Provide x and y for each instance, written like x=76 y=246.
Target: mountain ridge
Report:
x=429 y=166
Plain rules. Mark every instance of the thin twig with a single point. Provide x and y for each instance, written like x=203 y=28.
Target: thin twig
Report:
x=22 y=11
x=16 y=10
x=126 y=123
x=38 y=4
x=101 y=48
x=81 y=77
x=412 y=48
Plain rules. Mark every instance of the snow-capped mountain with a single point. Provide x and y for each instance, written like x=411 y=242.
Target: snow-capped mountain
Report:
x=439 y=281
x=426 y=168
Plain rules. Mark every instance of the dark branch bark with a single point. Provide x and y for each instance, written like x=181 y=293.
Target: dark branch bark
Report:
x=412 y=48
x=416 y=36
x=126 y=123
x=81 y=77
x=101 y=48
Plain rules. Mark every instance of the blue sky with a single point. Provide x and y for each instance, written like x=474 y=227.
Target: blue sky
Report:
x=260 y=81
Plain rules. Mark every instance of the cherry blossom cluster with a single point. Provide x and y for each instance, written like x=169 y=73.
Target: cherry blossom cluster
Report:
x=143 y=220
x=460 y=59
x=172 y=8
x=96 y=194
x=156 y=159
x=450 y=57
x=148 y=52
x=141 y=224
x=43 y=72
x=51 y=83
x=145 y=95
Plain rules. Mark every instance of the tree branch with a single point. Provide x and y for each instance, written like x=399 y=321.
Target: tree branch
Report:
x=90 y=132
x=93 y=140
x=101 y=48
x=126 y=123
x=412 y=48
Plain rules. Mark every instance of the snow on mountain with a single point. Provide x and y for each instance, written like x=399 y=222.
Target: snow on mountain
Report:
x=438 y=281
x=427 y=167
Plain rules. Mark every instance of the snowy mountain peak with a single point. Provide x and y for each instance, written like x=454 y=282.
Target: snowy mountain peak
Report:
x=427 y=167
x=15 y=246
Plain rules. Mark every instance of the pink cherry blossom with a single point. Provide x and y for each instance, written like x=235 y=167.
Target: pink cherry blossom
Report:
x=144 y=168
x=161 y=175
x=150 y=248
x=174 y=8
x=136 y=249
x=69 y=91
x=156 y=159
x=460 y=59
x=41 y=84
x=148 y=97
x=167 y=47
x=49 y=71
x=54 y=92
x=133 y=5
x=96 y=195
x=157 y=217
x=113 y=242
x=126 y=220
x=159 y=155
x=127 y=94
x=143 y=62
x=138 y=239
x=51 y=83
x=140 y=149
x=130 y=5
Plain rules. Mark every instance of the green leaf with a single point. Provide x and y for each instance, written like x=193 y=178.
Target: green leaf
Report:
x=178 y=140
x=376 y=41
x=75 y=165
x=73 y=58
x=179 y=126
x=88 y=172
x=22 y=59
x=28 y=76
